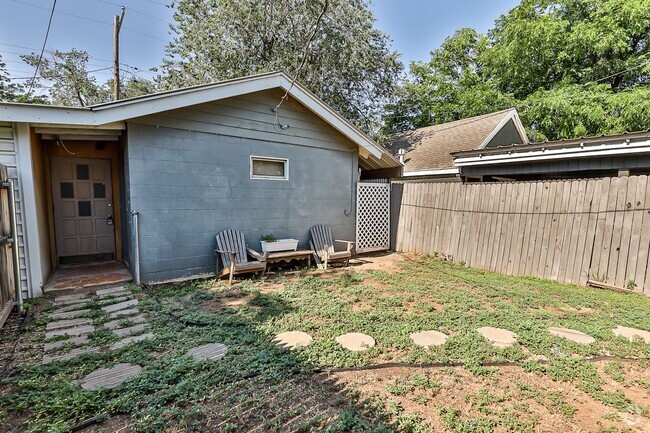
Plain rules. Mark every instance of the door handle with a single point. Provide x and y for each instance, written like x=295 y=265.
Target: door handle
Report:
x=109 y=220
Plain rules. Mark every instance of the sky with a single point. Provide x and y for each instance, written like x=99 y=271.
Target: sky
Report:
x=415 y=26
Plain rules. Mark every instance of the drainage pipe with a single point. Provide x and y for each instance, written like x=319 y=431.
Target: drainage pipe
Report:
x=136 y=259
x=14 y=247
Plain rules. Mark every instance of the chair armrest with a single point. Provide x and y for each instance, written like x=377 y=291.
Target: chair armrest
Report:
x=350 y=243
x=256 y=255
x=224 y=252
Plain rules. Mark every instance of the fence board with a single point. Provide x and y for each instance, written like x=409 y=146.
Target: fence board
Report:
x=568 y=230
x=7 y=285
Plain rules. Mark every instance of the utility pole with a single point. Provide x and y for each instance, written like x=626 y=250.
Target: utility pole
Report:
x=117 y=24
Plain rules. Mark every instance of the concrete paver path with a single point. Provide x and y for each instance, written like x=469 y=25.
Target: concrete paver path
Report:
x=293 y=339
x=631 y=333
x=110 y=377
x=429 y=338
x=212 y=351
x=356 y=341
x=499 y=337
x=572 y=335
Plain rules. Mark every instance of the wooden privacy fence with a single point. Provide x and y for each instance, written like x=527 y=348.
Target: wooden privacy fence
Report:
x=576 y=231
x=7 y=287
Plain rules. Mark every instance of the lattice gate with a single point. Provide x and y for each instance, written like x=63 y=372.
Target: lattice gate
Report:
x=373 y=216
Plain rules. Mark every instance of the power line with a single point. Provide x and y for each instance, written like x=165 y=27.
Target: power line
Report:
x=92 y=20
x=40 y=57
x=135 y=10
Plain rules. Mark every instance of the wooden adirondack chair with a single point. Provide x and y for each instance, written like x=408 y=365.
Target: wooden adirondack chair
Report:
x=233 y=253
x=323 y=246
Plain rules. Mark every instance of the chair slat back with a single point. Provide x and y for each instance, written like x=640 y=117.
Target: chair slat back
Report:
x=321 y=235
x=232 y=240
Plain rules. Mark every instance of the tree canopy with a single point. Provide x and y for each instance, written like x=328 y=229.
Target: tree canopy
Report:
x=571 y=67
x=349 y=63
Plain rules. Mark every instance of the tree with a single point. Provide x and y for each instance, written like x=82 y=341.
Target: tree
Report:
x=570 y=66
x=9 y=92
x=348 y=63
x=70 y=83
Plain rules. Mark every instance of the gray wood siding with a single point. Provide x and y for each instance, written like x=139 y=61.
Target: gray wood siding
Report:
x=8 y=158
x=506 y=136
x=188 y=175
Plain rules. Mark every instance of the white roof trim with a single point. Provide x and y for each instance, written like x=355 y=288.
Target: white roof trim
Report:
x=622 y=147
x=120 y=111
x=514 y=116
x=440 y=171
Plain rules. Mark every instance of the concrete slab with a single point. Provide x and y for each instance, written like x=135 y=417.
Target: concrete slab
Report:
x=68 y=314
x=72 y=332
x=499 y=337
x=77 y=297
x=110 y=377
x=429 y=338
x=128 y=340
x=70 y=307
x=110 y=300
x=631 y=333
x=60 y=324
x=115 y=324
x=212 y=351
x=74 y=353
x=572 y=335
x=356 y=341
x=120 y=306
x=110 y=290
x=83 y=339
x=121 y=332
x=291 y=340
x=123 y=313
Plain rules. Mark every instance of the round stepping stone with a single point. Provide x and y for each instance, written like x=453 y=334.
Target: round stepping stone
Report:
x=429 y=338
x=293 y=339
x=572 y=335
x=110 y=377
x=212 y=351
x=499 y=337
x=631 y=333
x=356 y=341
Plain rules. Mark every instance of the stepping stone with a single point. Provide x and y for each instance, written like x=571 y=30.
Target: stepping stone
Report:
x=499 y=337
x=121 y=295
x=74 y=353
x=48 y=347
x=76 y=298
x=291 y=340
x=630 y=333
x=110 y=377
x=429 y=338
x=573 y=335
x=121 y=313
x=356 y=341
x=60 y=324
x=212 y=351
x=115 y=324
x=68 y=314
x=70 y=307
x=121 y=332
x=128 y=340
x=83 y=301
x=120 y=306
x=110 y=290
x=72 y=332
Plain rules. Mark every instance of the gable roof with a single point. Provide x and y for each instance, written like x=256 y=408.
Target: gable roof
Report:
x=430 y=148
x=122 y=110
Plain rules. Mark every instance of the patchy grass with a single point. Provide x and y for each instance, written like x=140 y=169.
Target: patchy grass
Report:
x=260 y=385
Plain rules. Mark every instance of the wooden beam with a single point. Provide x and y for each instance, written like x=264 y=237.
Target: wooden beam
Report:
x=77 y=131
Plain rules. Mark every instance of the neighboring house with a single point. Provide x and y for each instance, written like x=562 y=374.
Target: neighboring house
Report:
x=426 y=152
x=588 y=157
x=192 y=162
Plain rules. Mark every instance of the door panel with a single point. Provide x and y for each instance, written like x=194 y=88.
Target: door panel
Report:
x=83 y=209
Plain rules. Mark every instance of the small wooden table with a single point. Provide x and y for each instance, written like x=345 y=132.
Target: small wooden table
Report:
x=287 y=256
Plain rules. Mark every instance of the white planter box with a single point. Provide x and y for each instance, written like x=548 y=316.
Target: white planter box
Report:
x=280 y=245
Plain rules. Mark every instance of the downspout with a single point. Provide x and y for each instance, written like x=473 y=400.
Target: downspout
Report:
x=14 y=242
x=136 y=259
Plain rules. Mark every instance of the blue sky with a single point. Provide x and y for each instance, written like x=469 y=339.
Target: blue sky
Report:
x=415 y=26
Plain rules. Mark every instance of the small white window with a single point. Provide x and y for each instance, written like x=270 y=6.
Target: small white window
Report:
x=263 y=167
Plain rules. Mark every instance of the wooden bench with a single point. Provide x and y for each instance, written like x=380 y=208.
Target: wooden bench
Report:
x=287 y=256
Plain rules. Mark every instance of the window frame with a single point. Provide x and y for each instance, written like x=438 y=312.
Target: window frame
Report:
x=272 y=159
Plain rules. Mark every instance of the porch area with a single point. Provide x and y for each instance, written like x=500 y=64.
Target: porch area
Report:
x=78 y=278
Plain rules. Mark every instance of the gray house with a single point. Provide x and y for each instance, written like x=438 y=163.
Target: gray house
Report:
x=190 y=162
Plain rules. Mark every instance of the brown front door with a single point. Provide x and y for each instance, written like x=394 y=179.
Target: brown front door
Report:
x=83 y=210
